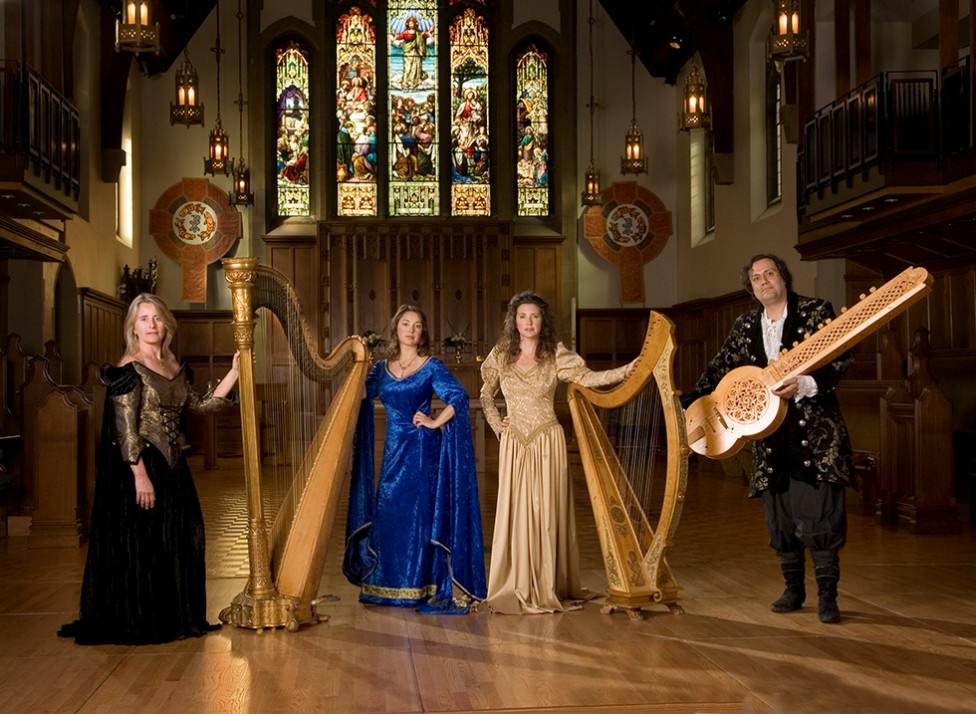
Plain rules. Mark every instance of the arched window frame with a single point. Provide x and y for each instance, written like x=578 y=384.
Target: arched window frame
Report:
x=774 y=135
x=543 y=47
x=269 y=100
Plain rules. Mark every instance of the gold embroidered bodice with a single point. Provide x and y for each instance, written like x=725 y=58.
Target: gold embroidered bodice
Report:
x=152 y=412
x=530 y=394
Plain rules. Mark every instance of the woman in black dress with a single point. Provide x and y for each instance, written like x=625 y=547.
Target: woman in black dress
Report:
x=145 y=580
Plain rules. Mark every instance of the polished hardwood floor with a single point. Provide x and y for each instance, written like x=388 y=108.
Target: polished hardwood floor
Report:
x=907 y=642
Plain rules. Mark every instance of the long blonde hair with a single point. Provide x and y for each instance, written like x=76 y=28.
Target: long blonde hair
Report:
x=129 y=326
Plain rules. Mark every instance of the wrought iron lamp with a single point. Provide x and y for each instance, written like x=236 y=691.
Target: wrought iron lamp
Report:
x=695 y=114
x=241 y=195
x=787 y=41
x=134 y=30
x=633 y=161
x=218 y=161
x=188 y=109
x=592 y=195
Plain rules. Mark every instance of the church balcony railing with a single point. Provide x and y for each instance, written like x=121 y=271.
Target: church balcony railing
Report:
x=40 y=146
x=909 y=128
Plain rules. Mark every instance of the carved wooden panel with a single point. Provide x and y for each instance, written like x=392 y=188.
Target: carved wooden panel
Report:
x=205 y=341
x=101 y=334
x=459 y=273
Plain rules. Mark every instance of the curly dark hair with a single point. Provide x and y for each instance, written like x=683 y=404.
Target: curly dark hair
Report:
x=393 y=345
x=780 y=264
x=508 y=341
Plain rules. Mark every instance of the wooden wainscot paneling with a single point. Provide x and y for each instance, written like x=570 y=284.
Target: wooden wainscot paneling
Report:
x=608 y=338
x=537 y=266
x=457 y=272
x=101 y=334
x=205 y=341
x=296 y=257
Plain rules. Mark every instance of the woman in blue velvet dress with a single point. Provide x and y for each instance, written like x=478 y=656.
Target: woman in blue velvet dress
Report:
x=413 y=537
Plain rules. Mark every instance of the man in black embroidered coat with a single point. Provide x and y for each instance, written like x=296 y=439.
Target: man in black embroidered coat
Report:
x=800 y=470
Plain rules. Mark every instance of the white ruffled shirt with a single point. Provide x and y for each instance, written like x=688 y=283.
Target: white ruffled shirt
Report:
x=806 y=386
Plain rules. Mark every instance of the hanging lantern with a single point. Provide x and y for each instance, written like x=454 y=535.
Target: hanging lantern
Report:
x=218 y=161
x=787 y=41
x=592 y=194
x=134 y=31
x=695 y=114
x=242 y=195
x=187 y=110
x=633 y=161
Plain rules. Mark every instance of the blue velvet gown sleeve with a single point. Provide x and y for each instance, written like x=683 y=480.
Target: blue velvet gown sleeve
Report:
x=359 y=559
x=459 y=561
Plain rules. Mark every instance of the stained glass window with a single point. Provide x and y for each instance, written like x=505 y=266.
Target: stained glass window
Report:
x=292 y=135
x=356 y=113
x=412 y=107
x=470 y=172
x=532 y=131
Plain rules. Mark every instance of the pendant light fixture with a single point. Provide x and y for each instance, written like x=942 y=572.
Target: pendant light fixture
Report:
x=134 y=30
x=695 y=113
x=188 y=109
x=633 y=161
x=218 y=161
x=241 y=194
x=592 y=194
x=787 y=41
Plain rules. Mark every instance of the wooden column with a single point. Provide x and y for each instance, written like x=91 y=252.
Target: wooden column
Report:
x=842 y=47
x=948 y=33
x=862 y=41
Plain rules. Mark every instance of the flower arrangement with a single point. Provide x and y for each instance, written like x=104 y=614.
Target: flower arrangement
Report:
x=372 y=340
x=456 y=340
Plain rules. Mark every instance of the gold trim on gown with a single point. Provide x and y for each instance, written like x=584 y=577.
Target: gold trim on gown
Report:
x=534 y=554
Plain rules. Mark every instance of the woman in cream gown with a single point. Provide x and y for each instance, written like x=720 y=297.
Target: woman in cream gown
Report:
x=534 y=556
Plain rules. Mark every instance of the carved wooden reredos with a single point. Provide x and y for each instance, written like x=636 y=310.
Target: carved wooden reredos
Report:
x=459 y=273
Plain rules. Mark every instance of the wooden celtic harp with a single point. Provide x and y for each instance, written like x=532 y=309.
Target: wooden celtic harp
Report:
x=287 y=559
x=635 y=456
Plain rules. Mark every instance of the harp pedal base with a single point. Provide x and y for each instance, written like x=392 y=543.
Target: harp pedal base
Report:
x=276 y=611
x=636 y=612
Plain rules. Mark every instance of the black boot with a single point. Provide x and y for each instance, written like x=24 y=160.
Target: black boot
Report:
x=795 y=592
x=826 y=566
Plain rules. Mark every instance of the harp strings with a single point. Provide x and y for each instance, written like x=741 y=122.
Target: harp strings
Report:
x=636 y=432
x=293 y=405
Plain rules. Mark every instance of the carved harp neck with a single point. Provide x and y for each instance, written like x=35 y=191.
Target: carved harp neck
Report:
x=286 y=563
x=636 y=486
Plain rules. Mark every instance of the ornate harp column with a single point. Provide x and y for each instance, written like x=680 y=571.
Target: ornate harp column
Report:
x=259 y=604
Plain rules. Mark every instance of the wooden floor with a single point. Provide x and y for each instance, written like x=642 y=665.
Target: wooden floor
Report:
x=907 y=642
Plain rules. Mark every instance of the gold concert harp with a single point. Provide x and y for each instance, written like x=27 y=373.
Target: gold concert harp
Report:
x=286 y=560
x=635 y=457
x=743 y=406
